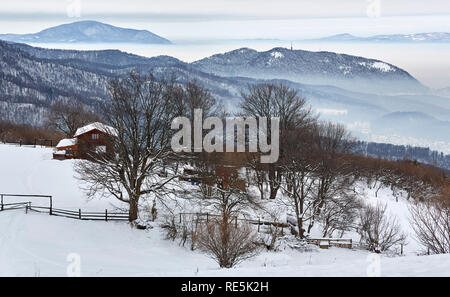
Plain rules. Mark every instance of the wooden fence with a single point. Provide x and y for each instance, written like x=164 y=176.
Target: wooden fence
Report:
x=207 y=216
x=37 y=142
x=71 y=214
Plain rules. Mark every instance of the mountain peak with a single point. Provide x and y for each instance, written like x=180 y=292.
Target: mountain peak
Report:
x=88 y=32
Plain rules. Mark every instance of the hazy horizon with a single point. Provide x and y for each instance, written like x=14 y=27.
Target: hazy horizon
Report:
x=200 y=28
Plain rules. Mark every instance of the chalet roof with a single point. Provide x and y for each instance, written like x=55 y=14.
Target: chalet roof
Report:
x=96 y=126
x=66 y=142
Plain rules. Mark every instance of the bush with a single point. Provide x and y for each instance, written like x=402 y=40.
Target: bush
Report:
x=186 y=231
x=227 y=243
x=170 y=227
x=270 y=239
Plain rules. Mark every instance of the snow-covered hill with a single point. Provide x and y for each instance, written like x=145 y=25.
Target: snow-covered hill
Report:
x=87 y=32
x=41 y=245
x=320 y=68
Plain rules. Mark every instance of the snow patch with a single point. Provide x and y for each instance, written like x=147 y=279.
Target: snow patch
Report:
x=277 y=55
x=382 y=66
x=66 y=142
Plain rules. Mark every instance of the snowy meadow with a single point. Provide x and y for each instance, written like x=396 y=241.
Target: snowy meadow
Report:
x=37 y=244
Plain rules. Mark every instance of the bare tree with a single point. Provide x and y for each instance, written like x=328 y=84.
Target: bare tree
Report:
x=276 y=100
x=299 y=183
x=192 y=96
x=379 y=231
x=229 y=196
x=67 y=117
x=339 y=213
x=334 y=174
x=431 y=223
x=257 y=173
x=140 y=113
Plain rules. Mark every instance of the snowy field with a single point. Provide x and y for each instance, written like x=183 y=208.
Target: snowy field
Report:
x=28 y=170
x=41 y=245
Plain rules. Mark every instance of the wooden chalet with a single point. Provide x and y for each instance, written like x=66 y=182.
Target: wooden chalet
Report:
x=95 y=137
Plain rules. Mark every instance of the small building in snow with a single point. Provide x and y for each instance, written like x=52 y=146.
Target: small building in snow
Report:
x=92 y=138
x=66 y=149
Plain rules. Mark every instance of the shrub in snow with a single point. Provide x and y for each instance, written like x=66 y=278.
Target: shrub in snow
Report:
x=379 y=231
x=170 y=227
x=186 y=230
x=270 y=238
x=228 y=243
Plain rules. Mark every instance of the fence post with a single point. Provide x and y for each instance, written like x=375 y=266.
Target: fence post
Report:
x=79 y=213
x=51 y=205
x=180 y=217
x=351 y=243
x=1 y=202
x=106 y=215
x=401 y=249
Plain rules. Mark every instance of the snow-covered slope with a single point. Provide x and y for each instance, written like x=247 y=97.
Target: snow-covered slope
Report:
x=28 y=170
x=41 y=245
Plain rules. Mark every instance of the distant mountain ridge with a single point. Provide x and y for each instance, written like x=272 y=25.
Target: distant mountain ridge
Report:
x=403 y=152
x=318 y=68
x=32 y=78
x=87 y=32
x=417 y=37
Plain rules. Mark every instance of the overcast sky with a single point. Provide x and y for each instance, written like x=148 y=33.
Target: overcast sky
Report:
x=258 y=8
x=202 y=19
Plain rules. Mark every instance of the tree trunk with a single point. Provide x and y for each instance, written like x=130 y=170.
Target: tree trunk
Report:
x=134 y=209
x=273 y=182
x=301 y=231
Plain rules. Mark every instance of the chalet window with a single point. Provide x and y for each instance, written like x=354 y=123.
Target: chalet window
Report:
x=95 y=136
x=100 y=149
